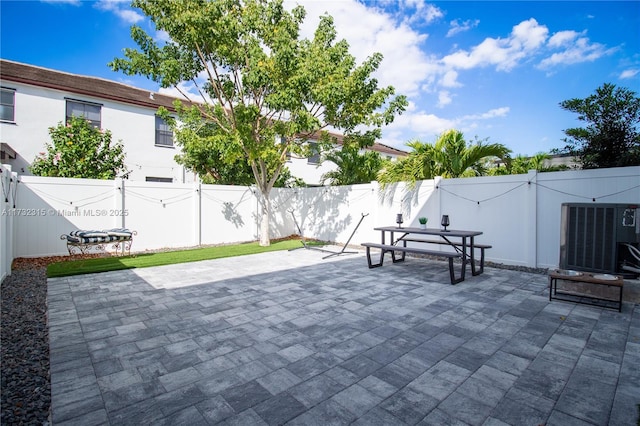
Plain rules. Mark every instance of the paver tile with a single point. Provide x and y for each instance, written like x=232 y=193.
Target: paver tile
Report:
x=289 y=338
x=462 y=407
x=279 y=409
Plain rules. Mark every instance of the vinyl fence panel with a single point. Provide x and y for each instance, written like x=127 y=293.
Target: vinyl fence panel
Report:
x=519 y=215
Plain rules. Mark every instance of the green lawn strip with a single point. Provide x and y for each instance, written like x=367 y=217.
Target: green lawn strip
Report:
x=144 y=260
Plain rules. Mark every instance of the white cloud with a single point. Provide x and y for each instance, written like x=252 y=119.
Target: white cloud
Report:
x=129 y=16
x=162 y=36
x=405 y=65
x=562 y=38
x=121 y=9
x=629 y=73
x=529 y=35
x=409 y=11
x=577 y=48
x=503 y=53
x=473 y=122
x=422 y=124
x=489 y=52
x=578 y=51
x=428 y=12
x=460 y=27
x=450 y=79
x=492 y=113
x=444 y=98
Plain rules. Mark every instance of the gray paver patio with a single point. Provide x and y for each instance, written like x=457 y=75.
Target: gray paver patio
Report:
x=289 y=338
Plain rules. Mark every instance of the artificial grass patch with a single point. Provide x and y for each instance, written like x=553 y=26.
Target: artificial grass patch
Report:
x=144 y=260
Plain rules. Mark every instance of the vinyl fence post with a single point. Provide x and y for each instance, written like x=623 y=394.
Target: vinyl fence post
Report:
x=122 y=208
x=531 y=220
x=198 y=212
x=437 y=182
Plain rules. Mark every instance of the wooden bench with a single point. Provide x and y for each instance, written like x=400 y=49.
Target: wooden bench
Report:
x=481 y=247
x=83 y=241
x=585 y=278
x=385 y=248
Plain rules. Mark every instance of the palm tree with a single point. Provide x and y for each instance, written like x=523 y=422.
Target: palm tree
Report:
x=450 y=156
x=521 y=165
x=353 y=167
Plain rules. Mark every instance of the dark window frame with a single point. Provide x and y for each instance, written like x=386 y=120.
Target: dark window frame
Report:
x=11 y=107
x=158 y=179
x=85 y=112
x=314 y=158
x=163 y=133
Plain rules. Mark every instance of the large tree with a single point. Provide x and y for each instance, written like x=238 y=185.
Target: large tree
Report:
x=450 y=157
x=611 y=138
x=265 y=90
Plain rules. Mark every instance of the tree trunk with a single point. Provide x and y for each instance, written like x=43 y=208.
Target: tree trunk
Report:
x=265 y=216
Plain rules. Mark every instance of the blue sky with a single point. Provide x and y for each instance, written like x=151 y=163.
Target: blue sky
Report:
x=493 y=70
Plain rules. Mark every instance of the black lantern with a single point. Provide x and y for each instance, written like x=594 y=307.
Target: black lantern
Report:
x=445 y=222
x=399 y=220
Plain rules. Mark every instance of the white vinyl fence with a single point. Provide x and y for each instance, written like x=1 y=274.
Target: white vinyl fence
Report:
x=519 y=215
x=8 y=182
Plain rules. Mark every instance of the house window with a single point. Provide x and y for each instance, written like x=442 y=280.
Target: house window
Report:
x=164 y=135
x=7 y=104
x=158 y=179
x=88 y=110
x=315 y=154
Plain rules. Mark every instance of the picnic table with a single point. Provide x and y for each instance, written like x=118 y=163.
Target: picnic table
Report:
x=462 y=242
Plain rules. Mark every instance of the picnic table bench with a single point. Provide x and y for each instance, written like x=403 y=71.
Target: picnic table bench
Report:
x=83 y=241
x=481 y=247
x=385 y=248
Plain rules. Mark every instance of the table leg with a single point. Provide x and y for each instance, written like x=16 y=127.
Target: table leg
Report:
x=464 y=254
x=474 y=272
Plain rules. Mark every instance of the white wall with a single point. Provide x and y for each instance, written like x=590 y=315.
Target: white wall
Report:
x=519 y=215
x=309 y=173
x=135 y=127
x=38 y=108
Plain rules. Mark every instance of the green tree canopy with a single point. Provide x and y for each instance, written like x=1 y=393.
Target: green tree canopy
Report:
x=208 y=159
x=265 y=90
x=521 y=164
x=450 y=156
x=79 y=150
x=353 y=167
x=611 y=138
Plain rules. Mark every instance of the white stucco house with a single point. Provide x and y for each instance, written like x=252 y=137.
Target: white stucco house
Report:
x=35 y=98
